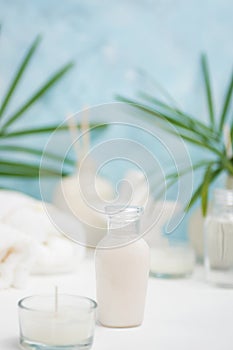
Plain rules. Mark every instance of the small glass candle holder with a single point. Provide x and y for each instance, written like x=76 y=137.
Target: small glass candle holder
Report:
x=172 y=259
x=63 y=323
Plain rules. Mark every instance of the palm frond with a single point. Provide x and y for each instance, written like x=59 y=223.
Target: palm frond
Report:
x=169 y=184
x=205 y=189
x=48 y=129
x=190 y=135
x=47 y=86
x=37 y=152
x=196 y=125
x=194 y=167
x=231 y=131
x=21 y=169
x=206 y=76
x=192 y=130
x=194 y=198
x=163 y=91
x=226 y=104
x=198 y=191
x=172 y=178
x=19 y=74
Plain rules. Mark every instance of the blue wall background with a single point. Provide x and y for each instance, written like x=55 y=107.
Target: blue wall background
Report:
x=112 y=43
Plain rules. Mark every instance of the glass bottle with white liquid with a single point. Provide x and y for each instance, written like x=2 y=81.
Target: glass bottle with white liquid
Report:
x=122 y=268
x=218 y=234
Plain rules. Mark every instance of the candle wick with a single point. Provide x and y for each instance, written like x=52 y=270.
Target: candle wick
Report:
x=56 y=299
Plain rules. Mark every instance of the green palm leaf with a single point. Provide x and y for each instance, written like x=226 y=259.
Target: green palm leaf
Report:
x=185 y=123
x=211 y=178
x=226 y=104
x=172 y=178
x=163 y=91
x=52 y=81
x=198 y=191
x=14 y=168
x=19 y=74
x=194 y=198
x=21 y=169
x=190 y=136
x=206 y=75
x=47 y=129
x=196 y=125
x=232 y=132
x=155 y=186
x=205 y=189
x=194 y=167
x=195 y=132
x=37 y=152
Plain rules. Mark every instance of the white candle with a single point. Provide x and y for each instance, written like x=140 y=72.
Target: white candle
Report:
x=69 y=321
x=63 y=328
x=172 y=261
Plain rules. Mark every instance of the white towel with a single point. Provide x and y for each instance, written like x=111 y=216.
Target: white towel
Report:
x=33 y=245
x=16 y=257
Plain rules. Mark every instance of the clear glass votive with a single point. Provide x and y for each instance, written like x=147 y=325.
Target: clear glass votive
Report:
x=172 y=259
x=65 y=323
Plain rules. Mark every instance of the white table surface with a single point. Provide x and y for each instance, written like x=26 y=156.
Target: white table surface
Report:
x=183 y=314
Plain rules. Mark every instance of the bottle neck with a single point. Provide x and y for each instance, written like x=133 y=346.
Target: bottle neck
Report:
x=124 y=222
x=123 y=229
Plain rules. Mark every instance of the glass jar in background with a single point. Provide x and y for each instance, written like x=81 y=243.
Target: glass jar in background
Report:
x=171 y=255
x=218 y=240
x=171 y=258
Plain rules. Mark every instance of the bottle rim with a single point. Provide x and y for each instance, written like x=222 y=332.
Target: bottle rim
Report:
x=112 y=210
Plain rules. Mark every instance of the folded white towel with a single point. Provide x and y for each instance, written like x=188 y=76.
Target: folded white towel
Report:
x=16 y=257
x=33 y=245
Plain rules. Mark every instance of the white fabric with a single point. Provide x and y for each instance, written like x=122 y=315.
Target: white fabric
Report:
x=16 y=257
x=29 y=242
